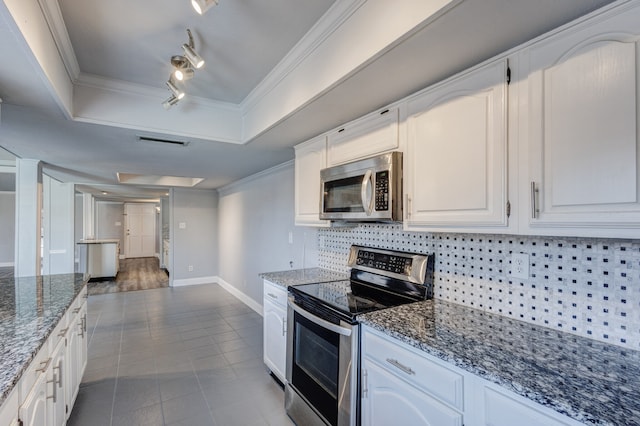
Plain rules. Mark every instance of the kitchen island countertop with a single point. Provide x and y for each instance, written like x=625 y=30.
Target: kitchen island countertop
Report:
x=589 y=381
x=30 y=308
x=303 y=276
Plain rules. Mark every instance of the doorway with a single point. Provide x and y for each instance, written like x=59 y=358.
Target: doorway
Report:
x=140 y=230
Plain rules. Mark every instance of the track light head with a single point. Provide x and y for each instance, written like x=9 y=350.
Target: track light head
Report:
x=201 y=6
x=170 y=102
x=177 y=92
x=191 y=55
x=183 y=70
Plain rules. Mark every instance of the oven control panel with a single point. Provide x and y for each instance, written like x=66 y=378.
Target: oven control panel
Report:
x=384 y=262
x=405 y=266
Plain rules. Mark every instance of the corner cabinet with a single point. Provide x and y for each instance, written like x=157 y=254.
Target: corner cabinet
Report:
x=406 y=386
x=580 y=120
x=311 y=157
x=372 y=134
x=274 y=304
x=456 y=157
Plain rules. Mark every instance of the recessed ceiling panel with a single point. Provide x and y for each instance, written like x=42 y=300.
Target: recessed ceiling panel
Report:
x=240 y=40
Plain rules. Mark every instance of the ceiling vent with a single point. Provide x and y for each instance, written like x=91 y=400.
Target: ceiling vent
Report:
x=163 y=141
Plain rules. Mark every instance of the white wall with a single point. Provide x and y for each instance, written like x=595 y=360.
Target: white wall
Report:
x=7 y=227
x=196 y=243
x=110 y=220
x=256 y=216
x=58 y=227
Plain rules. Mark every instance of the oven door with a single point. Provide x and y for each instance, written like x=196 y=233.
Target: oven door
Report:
x=321 y=370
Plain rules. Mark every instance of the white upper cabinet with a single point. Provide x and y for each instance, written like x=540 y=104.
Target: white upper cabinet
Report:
x=456 y=156
x=311 y=157
x=580 y=121
x=372 y=134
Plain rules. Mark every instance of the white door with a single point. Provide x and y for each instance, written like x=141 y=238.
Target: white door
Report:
x=275 y=338
x=140 y=237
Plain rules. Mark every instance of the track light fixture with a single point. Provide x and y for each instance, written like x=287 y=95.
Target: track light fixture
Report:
x=190 y=53
x=177 y=92
x=170 y=102
x=184 y=70
x=201 y=6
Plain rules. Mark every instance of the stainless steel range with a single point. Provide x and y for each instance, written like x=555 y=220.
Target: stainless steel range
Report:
x=323 y=335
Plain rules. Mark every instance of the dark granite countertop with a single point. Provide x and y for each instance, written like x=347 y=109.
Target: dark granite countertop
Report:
x=30 y=308
x=303 y=276
x=589 y=381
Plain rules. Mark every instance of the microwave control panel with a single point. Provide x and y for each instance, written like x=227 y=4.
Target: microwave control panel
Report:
x=382 y=191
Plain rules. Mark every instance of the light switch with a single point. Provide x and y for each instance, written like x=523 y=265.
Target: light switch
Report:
x=182 y=225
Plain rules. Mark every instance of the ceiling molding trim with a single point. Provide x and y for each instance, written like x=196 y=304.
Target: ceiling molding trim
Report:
x=55 y=21
x=333 y=19
x=98 y=82
x=230 y=188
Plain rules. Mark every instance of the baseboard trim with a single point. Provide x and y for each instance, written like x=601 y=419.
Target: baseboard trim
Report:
x=240 y=296
x=194 y=281
x=6 y=264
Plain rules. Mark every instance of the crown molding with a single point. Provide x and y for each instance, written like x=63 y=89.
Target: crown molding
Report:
x=333 y=19
x=230 y=188
x=58 y=29
x=120 y=86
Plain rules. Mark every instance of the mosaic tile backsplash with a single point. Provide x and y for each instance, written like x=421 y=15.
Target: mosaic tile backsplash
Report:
x=585 y=286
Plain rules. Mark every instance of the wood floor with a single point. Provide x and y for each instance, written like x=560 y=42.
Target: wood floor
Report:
x=135 y=274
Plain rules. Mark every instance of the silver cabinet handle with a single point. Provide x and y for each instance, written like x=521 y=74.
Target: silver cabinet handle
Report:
x=284 y=326
x=59 y=375
x=63 y=332
x=44 y=367
x=273 y=296
x=76 y=310
x=319 y=321
x=399 y=366
x=365 y=383
x=535 y=210
x=407 y=205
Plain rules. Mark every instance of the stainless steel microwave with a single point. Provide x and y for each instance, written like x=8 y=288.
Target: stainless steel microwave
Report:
x=364 y=190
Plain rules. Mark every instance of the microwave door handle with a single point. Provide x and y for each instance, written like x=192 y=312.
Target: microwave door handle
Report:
x=366 y=202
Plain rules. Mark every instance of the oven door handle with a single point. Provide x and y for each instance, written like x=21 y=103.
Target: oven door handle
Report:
x=319 y=321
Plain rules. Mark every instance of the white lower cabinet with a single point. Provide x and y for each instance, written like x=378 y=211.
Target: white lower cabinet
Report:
x=46 y=392
x=405 y=386
x=275 y=329
x=9 y=409
x=390 y=400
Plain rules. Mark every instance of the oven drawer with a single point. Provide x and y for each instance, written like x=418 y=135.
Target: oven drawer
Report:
x=415 y=368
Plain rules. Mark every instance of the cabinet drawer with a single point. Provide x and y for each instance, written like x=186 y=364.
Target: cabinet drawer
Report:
x=36 y=368
x=444 y=384
x=275 y=293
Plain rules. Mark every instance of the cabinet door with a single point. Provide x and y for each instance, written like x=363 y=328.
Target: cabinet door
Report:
x=9 y=409
x=370 y=135
x=275 y=340
x=456 y=162
x=83 y=339
x=33 y=411
x=311 y=157
x=388 y=400
x=57 y=414
x=583 y=156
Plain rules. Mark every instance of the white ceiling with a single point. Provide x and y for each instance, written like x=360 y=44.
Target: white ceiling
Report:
x=124 y=44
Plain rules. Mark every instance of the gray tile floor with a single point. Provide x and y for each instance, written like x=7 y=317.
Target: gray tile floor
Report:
x=176 y=356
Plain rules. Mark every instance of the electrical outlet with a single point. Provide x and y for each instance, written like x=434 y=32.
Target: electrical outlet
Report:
x=520 y=265
x=190 y=268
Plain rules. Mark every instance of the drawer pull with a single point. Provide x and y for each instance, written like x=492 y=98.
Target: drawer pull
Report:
x=63 y=332
x=44 y=367
x=399 y=366
x=273 y=296
x=76 y=310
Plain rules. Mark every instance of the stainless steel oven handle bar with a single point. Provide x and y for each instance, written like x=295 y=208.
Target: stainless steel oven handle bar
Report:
x=322 y=323
x=366 y=202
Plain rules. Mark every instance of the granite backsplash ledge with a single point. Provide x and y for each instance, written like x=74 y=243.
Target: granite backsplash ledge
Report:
x=585 y=286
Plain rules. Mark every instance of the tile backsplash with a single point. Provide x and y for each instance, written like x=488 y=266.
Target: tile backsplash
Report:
x=585 y=286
